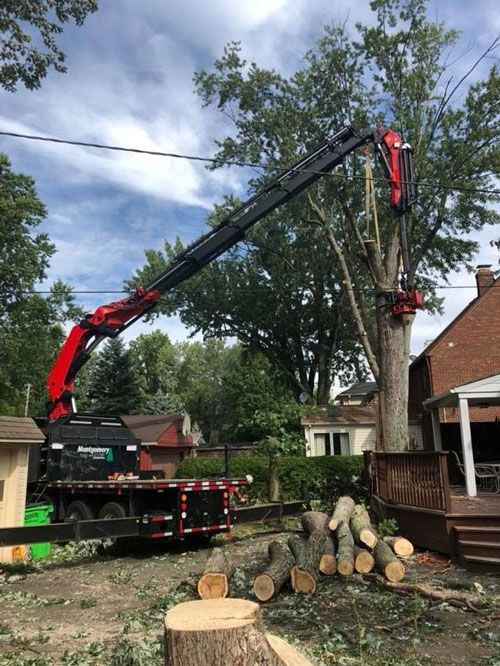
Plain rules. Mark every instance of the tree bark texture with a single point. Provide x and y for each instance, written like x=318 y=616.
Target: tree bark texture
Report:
x=328 y=562
x=307 y=556
x=393 y=569
x=268 y=583
x=400 y=545
x=316 y=521
x=214 y=582
x=345 y=554
x=393 y=360
x=216 y=632
x=361 y=527
x=342 y=512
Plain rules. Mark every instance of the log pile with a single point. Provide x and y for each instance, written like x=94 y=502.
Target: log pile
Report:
x=343 y=544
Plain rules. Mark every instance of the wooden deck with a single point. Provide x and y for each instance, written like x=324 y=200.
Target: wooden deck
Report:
x=413 y=489
x=484 y=503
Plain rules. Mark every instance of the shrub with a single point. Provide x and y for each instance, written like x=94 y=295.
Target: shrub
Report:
x=327 y=477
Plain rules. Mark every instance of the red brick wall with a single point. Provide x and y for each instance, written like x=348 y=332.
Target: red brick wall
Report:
x=468 y=351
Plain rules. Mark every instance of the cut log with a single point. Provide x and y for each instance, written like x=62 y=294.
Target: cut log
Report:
x=389 y=564
x=342 y=512
x=267 y=584
x=307 y=557
x=363 y=560
x=223 y=631
x=214 y=582
x=361 y=527
x=400 y=545
x=328 y=562
x=316 y=521
x=312 y=521
x=345 y=554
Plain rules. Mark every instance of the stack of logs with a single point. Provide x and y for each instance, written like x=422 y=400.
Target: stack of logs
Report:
x=344 y=543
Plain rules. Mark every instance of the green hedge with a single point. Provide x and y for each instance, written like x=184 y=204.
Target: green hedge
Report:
x=327 y=477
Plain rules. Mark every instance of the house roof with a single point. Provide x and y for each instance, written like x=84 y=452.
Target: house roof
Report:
x=471 y=306
x=361 y=388
x=342 y=414
x=151 y=427
x=20 y=429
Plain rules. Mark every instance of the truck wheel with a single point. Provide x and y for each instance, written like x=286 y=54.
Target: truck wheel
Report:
x=112 y=510
x=77 y=511
x=114 y=545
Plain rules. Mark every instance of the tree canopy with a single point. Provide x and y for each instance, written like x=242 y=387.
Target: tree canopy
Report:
x=399 y=71
x=28 y=30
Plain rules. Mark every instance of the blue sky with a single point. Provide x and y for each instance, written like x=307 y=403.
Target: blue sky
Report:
x=129 y=82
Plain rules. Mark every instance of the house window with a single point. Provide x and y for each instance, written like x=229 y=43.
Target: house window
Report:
x=322 y=444
x=341 y=443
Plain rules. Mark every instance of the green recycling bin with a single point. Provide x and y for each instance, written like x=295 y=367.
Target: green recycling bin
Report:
x=38 y=514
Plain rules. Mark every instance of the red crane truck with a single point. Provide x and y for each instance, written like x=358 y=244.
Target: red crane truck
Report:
x=77 y=470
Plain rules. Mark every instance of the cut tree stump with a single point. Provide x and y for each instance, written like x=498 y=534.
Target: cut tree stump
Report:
x=345 y=553
x=341 y=513
x=214 y=582
x=393 y=569
x=214 y=632
x=268 y=583
x=307 y=557
x=314 y=521
x=400 y=545
x=361 y=527
x=363 y=560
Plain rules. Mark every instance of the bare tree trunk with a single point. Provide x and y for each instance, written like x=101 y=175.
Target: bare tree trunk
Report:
x=393 y=358
x=274 y=482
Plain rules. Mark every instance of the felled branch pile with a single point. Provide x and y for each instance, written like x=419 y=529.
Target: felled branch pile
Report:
x=344 y=543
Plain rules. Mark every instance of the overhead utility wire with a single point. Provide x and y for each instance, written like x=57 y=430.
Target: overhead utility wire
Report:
x=214 y=160
x=263 y=289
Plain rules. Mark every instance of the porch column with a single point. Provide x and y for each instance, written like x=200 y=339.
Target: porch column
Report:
x=436 y=430
x=468 y=456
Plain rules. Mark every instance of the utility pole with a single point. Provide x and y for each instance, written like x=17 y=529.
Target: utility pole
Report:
x=27 y=403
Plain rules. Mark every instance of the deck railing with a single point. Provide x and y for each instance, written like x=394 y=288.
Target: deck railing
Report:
x=418 y=479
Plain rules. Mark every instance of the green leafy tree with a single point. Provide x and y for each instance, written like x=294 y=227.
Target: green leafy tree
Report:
x=114 y=386
x=281 y=423
x=29 y=340
x=24 y=254
x=30 y=326
x=452 y=125
x=28 y=30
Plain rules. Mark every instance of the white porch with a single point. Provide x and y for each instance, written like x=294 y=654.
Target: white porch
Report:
x=483 y=392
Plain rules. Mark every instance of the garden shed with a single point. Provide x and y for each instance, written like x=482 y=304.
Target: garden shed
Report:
x=17 y=434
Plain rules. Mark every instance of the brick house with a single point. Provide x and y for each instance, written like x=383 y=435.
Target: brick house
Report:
x=165 y=440
x=466 y=351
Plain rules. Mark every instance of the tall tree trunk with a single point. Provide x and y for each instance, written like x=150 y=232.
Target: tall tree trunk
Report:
x=274 y=481
x=393 y=360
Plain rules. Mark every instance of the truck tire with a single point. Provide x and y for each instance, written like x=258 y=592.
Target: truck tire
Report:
x=76 y=511
x=112 y=510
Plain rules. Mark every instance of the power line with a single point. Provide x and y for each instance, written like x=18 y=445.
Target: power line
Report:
x=214 y=160
x=261 y=290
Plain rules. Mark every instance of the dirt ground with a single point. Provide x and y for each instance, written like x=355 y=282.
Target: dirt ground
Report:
x=81 y=609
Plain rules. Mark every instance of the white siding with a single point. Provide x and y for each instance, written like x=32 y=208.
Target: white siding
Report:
x=361 y=437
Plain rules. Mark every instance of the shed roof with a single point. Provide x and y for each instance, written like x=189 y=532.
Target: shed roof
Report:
x=151 y=427
x=19 y=429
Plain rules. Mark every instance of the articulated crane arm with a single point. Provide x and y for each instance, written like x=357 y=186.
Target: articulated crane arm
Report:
x=111 y=319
